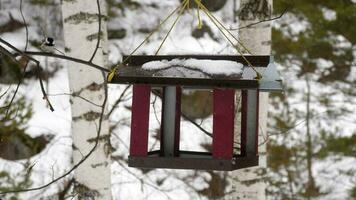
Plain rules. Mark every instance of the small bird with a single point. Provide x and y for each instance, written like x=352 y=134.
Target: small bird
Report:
x=49 y=41
x=48 y=45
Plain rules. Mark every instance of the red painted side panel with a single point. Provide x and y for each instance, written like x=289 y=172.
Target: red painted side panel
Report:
x=223 y=123
x=140 y=120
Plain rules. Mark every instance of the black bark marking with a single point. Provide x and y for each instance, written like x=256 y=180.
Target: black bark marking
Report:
x=94 y=36
x=83 y=17
x=105 y=164
x=74 y=147
x=84 y=192
x=103 y=138
x=94 y=87
x=89 y=116
x=255 y=10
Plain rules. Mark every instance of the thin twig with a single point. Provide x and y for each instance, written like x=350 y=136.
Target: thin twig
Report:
x=8 y=106
x=24 y=21
x=38 y=70
x=99 y=32
x=103 y=106
x=82 y=160
x=154 y=111
x=262 y=21
x=75 y=95
x=187 y=118
x=64 y=57
x=3 y=94
x=197 y=125
x=119 y=100
x=144 y=182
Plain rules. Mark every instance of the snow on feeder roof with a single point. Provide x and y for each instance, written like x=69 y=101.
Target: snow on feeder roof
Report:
x=223 y=75
x=204 y=66
x=200 y=71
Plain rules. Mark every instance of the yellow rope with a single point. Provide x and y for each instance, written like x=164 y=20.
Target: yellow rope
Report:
x=222 y=25
x=173 y=25
x=217 y=23
x=200 y=24
x=181 y=9
x=114 y=70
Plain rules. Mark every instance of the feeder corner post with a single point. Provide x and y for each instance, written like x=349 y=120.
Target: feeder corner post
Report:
x=170 y=121
x=249 y=122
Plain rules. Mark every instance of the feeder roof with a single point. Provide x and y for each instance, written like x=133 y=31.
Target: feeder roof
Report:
x=200 y=71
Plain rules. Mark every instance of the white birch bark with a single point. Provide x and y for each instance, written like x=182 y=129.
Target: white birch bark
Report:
x=81 y=25
x=249 y=184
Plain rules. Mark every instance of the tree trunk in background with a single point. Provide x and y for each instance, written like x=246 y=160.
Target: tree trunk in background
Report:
x=249 y=183
x=80 y=18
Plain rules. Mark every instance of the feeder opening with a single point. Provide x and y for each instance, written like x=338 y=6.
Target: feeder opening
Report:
x=196 y=123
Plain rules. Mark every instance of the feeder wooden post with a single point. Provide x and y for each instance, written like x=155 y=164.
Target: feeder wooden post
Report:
x=170 y=122
x=140 y=120
x=249 y=122
x=223 y=123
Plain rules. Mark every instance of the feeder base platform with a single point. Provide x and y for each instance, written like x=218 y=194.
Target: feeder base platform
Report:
x=192 y=160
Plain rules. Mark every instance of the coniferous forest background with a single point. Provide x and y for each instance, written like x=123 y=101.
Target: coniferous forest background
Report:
x=311 y=126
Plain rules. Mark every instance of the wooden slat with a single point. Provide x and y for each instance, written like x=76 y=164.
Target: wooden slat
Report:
x=170 y=122
x=254 y=60
x=187 y=82
x=132 y=73
x=223 y=123
x=192 y=160
x=140 y=120
x=249 y=122
x=177 y=124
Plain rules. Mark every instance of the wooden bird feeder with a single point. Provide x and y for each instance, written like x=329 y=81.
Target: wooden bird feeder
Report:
x=223 y=87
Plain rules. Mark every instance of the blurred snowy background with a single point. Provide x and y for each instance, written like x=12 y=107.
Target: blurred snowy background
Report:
x=312 y=126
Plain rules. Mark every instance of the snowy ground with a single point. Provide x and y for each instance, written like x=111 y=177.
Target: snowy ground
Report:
x=130 y=183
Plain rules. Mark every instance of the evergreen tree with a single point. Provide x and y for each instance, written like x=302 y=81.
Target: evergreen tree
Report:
x=315 y=43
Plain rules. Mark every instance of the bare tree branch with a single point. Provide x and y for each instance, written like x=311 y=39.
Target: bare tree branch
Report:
x=262 y=21
x=75 y=95
x=38 y=70
x=119 y=100
x=103 y=106
x=187 y=118
x=82 y=160
x=99 y=32
x=3 y=94
x=8 y=106
x=24 y=22
x=64 y=57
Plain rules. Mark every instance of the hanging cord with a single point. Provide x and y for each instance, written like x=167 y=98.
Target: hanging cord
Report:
x=221 y=28
x=173 y=25
x=200 y=24
x=181 y=9
x=222 y=25
x=114 y=70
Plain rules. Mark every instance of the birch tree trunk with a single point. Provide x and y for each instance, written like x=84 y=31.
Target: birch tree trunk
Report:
x=249 y=183
x=81 y=28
